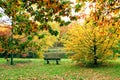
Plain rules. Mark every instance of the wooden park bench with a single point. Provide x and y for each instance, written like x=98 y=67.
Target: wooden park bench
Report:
x=52 y=56
x=57 y=60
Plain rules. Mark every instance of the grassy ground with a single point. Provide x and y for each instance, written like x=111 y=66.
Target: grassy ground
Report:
x=37 y=69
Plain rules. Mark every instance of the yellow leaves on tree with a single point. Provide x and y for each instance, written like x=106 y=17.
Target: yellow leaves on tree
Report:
x=34 y=27
x=44 y=43
x=5 y=30
x=91 y=42
x=13 y=7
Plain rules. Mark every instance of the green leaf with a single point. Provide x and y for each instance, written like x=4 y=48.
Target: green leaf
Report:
x=30 y=37
x=67 y=23
x=0 y=14
x=56 y=33
x=41 y=36
x=20 y=33
x=78 y=7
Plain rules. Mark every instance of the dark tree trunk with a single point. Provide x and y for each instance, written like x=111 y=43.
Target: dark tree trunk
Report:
x=95 y=49
x=11 y=56
x=95 y=60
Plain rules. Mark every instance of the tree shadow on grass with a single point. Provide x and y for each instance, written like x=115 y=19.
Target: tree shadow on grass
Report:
x=17 y=63
x=99 y=65
x=22 y=62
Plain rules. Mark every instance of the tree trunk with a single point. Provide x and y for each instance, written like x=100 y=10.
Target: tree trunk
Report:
x=11 y=56
x=95 y=60
x=95 y=57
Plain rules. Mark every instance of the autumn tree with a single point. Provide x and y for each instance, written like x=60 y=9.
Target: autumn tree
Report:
x=93 y=41
x=31 y=16
x=90 y=44
x=26 y=13
x=41 y=42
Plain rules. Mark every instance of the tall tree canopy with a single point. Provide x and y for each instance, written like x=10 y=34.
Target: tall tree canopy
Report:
x=100 y=32
x=25 y=13
x=29 y=17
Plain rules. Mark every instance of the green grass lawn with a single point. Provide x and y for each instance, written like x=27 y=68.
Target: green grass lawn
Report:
x=37 y=69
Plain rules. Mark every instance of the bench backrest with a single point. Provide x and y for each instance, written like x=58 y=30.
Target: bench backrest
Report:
x=53 y=55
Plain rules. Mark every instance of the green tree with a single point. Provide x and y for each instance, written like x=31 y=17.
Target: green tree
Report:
x=29 y=17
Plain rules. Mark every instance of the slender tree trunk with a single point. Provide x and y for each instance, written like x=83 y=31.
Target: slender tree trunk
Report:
x=95 y=57
x=95 y=49
x=11 y=56
x=95 y=60
x=12 y=46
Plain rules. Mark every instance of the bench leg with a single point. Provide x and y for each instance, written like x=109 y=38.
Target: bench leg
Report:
x=47 y=61
x=57 y=62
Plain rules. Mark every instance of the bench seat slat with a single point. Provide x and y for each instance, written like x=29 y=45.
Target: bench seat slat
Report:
x=51 y=58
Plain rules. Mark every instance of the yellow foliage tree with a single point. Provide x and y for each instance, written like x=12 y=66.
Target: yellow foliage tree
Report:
x=40 y=45
x=92 y=41
x=42 y=41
